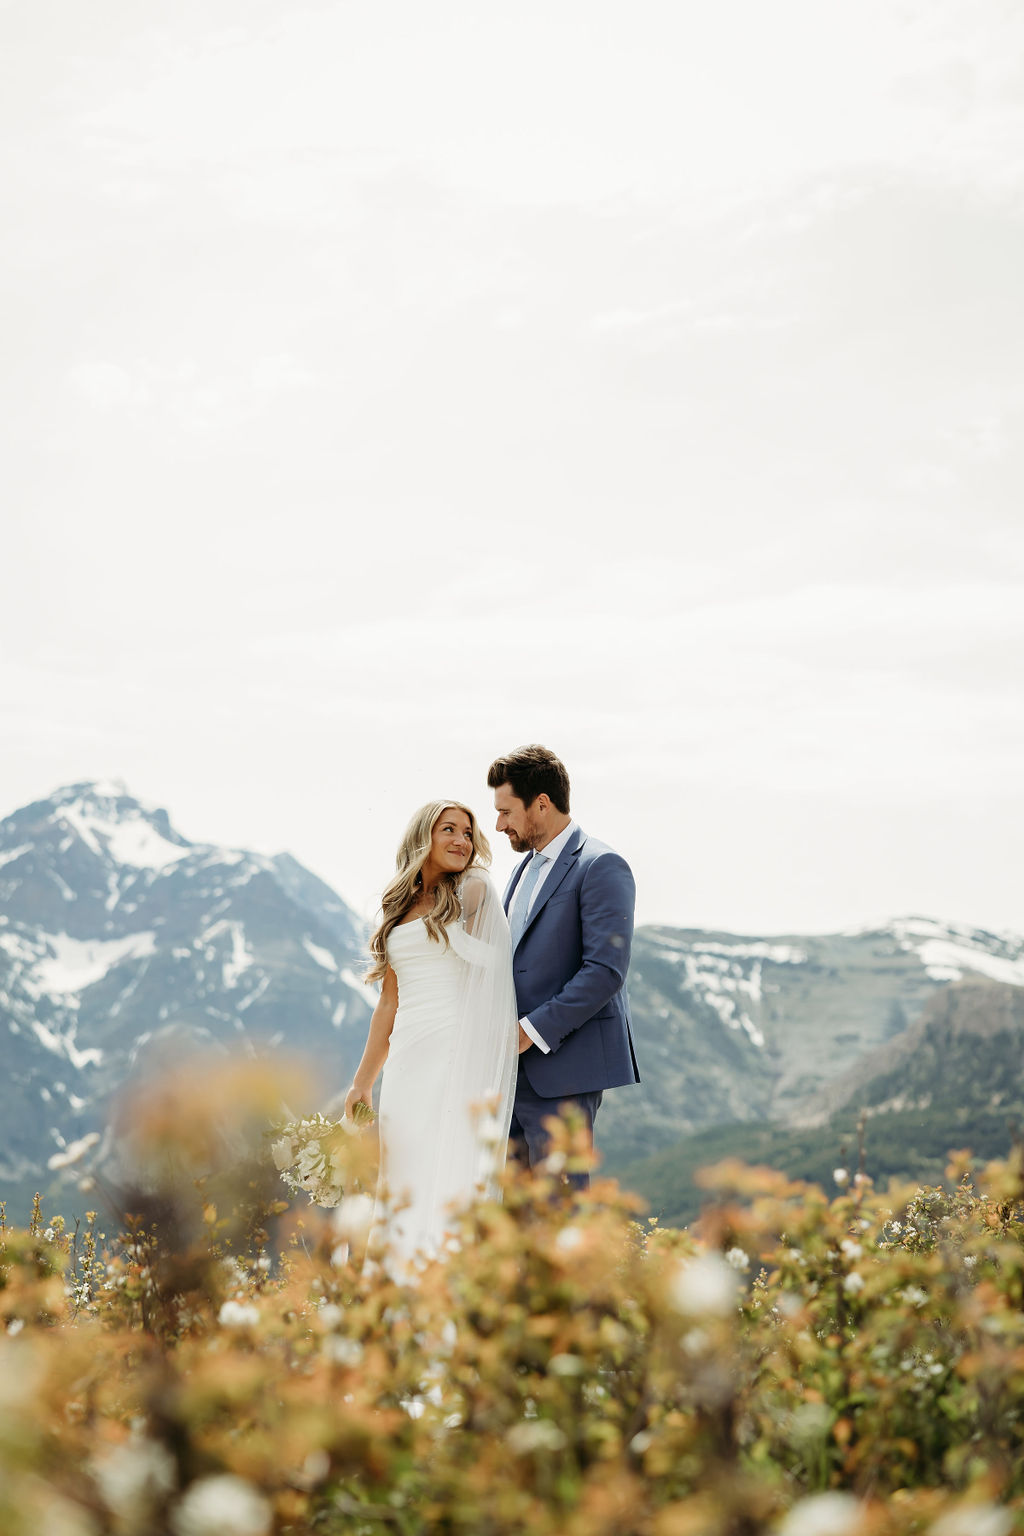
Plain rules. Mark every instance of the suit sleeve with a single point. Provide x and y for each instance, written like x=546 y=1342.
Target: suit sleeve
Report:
x=607 y=898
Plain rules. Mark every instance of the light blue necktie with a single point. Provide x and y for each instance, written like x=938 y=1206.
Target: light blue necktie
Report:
x=524 y=893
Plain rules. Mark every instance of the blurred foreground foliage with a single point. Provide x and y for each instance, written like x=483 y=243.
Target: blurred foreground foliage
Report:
x=215 y=1363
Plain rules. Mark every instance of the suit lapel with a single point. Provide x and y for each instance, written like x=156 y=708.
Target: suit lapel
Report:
x=566 y=859
x=514 y=879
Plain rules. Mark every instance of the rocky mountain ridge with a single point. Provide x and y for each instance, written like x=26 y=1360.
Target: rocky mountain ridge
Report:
x=735 y=1029
x=953 y=1080
x=122 y=942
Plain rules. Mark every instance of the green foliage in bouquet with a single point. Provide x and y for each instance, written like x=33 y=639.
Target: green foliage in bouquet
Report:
x=797 y=1363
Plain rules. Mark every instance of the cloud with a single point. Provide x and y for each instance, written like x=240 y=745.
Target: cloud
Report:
x=107 y=386
x=282 y=373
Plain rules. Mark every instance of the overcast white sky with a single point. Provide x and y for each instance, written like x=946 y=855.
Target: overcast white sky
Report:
x=386 y=384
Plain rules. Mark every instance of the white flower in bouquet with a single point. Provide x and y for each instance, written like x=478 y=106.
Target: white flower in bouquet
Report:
x=309 y=1159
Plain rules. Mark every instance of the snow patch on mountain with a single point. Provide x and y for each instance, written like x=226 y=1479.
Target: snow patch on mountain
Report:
x=727 y=977
x=777 y=954
x=241 y=956
x=128 y=839
x=67 y=966
x=948 y=962
x=319 y=954
x=947 y=951
x=64 y=1045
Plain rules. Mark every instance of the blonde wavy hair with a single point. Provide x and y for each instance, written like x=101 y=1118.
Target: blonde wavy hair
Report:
x=406 y=886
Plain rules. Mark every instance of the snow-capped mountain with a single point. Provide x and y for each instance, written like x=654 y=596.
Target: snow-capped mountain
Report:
x=120 y=938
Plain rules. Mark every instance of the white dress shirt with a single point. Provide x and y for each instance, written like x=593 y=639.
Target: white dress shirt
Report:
x=549 y=853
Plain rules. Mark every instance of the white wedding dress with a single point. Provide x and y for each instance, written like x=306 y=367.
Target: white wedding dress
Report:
x=446 y=1093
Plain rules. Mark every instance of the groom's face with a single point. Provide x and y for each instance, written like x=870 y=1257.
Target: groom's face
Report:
x=521 y=824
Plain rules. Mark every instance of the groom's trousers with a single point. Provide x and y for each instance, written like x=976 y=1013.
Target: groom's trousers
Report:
x=528 y=1140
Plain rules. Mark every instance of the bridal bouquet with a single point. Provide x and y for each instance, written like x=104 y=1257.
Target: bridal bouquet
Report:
x=310 y=1154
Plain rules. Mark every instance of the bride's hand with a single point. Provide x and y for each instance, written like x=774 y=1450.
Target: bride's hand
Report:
x=353 y=1097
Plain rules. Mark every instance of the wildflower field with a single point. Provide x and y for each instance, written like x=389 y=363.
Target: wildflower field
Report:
x=214 y=1361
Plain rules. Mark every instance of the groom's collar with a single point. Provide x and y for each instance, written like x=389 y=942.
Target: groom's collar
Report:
x=557 y=844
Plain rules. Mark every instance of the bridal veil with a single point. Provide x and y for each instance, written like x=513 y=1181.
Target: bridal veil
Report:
x=474 y=1131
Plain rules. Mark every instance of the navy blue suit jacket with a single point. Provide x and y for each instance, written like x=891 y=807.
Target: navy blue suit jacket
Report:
x=570 y=971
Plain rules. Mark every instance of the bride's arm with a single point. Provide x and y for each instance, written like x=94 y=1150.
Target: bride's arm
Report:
x=378 y=1040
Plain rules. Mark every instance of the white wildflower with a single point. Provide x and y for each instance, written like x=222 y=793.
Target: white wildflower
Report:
x=696 y=1341
x=737 y=1258
x=339 y=1256
x=535 y=1435
x=15 y=1326
x=566 y=1365
x=330 y=1314
x=283 y=1153
x=342 y=1351
x=49 y=1235
x=353 y=1217
x=222 y=1506
x=489 y=1130
x=705 y=1286
x=841 y=1177
x=134 y=1476
x=826 y=1514
x=314 y=1469
x=974 y=1520
x=914 y=1296
x=238 y=1314
x=852 y=1249
x=853 y=1282
x=569 y=1239
x=970 y=1260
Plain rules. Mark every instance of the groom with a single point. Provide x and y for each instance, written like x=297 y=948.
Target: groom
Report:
x=570 y=911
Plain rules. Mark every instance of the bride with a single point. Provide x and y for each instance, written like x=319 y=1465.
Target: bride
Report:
x=447 y=1026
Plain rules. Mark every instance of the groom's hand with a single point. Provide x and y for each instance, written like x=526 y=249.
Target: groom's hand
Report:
x=524 y=1040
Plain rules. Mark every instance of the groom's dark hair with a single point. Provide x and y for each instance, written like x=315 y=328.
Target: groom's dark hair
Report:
x=529 y=772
